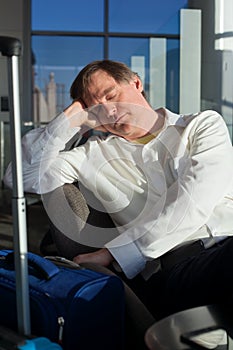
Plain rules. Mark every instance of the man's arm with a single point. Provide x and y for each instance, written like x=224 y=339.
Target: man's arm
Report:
x=102 y=257
x=41 y=147
x=205 y=177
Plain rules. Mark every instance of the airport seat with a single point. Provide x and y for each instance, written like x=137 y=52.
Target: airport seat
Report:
x=75 y=219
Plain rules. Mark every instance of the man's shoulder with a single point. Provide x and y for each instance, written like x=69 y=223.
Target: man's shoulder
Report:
x=202 y=115
x=203 y=118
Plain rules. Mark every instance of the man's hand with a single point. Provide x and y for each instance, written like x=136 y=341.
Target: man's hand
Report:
x=101 y=257
x=76 y=114
x=79 y=115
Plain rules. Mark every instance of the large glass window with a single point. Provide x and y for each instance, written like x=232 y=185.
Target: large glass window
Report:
x=69 y=34
x=58 y=59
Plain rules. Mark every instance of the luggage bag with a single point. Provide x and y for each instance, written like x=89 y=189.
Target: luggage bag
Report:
x=10 y=340
x=80 y=308
x=11 y=48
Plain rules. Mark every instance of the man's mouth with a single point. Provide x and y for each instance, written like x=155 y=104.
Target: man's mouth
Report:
x=119 y=119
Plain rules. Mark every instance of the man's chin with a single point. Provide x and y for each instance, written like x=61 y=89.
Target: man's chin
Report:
x=123 y=129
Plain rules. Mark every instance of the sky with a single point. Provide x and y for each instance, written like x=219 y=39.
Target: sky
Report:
x=66 y=55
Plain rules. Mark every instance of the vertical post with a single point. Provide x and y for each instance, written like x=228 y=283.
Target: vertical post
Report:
x=106 y=29
x=11 y=47
x=18 y=201
x=2 y=152
x=190 y=61
x=158 y=52
x=138 y=66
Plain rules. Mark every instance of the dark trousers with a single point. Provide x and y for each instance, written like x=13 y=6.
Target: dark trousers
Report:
x=202 y=279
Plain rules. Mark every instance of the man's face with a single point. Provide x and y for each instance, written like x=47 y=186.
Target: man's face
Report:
x=119 y=107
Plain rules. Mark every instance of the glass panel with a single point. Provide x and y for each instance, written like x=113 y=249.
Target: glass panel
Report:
x=57 y=62
x=223 y=25
x=190 y=61
x=138 y=65
x=222 y=60
x=172 y=75
x=149 y=16
x=137 y=50
x=127 y=49
x=158 y=49
x=164 y=73
x=68 y=16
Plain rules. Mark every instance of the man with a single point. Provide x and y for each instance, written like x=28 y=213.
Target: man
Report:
x=165 y=180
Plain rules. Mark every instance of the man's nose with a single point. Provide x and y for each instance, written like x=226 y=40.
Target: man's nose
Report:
x=110 y=109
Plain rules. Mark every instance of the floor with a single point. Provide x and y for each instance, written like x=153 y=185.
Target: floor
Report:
x=36 y=218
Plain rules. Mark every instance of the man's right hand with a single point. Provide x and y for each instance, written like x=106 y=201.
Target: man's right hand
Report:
x=79 y=115
x=76 y=114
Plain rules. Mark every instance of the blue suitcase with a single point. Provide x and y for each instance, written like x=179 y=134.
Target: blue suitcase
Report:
x=10 y=340
x=78 y=308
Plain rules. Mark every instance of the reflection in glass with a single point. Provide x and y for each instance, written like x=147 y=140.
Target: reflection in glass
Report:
x=172 y=75
x=161 y=89
x=57 y=62
x=138 y=65
x=158 y=55
x=123 y=49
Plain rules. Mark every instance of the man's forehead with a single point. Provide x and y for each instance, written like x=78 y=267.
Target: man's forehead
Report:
x=100 y=79
x=100 y=84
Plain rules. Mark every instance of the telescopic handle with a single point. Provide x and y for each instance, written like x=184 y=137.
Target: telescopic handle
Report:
x=10 y=46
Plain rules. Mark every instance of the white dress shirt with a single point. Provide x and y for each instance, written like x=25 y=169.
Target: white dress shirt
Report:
x=175 y=188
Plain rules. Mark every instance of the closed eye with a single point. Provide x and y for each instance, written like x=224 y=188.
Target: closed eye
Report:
x=110 y=97
x=111 y=93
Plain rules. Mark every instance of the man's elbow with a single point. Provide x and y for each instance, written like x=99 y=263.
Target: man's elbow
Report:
x=7 y=179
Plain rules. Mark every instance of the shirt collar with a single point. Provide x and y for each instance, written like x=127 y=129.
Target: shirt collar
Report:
x=171 y=119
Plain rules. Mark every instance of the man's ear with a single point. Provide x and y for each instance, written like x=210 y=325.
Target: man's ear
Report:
x=138 y=83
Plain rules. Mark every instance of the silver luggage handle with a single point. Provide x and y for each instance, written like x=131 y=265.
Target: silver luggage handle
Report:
x=11 y=47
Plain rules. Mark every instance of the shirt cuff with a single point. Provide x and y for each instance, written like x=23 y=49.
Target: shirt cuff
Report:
x=127 y=255
x=60 y=127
